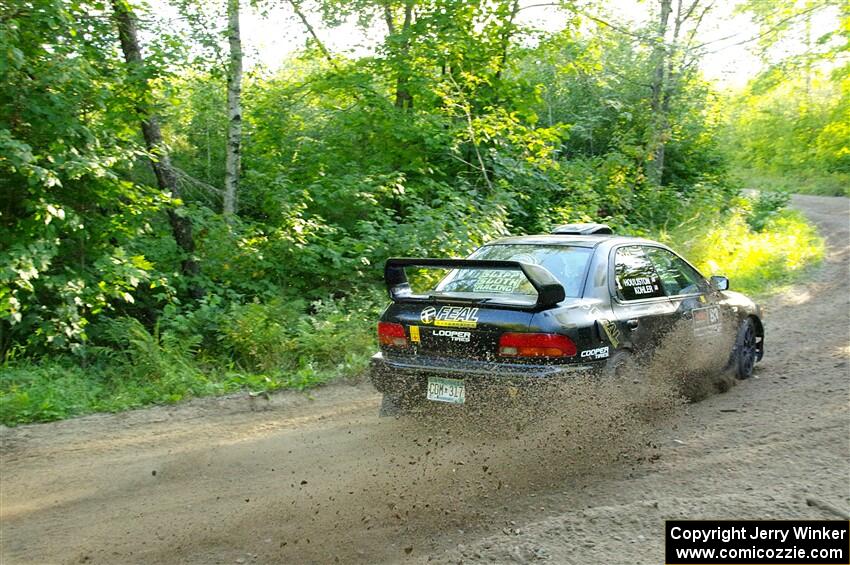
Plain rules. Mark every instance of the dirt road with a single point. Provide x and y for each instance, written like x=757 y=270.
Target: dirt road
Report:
x=300 y=480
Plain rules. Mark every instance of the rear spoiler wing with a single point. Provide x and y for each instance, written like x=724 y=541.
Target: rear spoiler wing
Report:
x=549 y=290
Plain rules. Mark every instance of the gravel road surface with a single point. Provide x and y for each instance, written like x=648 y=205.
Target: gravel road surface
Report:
x=298 y=479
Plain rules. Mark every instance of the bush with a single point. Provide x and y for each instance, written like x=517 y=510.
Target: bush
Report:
x=756 y=262
x=32 y=392
x=256 y=347
x=800 y=182
x=766 y=206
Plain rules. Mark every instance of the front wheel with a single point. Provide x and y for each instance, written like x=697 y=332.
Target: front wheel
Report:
x=746 y=350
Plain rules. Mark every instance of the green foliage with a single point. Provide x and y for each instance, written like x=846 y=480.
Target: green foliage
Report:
x=162 y=356
x=254 y=347
x=462 y=126
x=765 y=207
x=31 y=392
x=792 y=122
x=802 y=182
x=794 y=127
x=756 y=261
x=71 y=223
x=278 y=336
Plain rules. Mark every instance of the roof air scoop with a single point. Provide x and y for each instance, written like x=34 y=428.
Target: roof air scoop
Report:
x=582 y=229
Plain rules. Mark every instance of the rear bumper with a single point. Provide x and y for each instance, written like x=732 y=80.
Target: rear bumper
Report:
x=404 y=376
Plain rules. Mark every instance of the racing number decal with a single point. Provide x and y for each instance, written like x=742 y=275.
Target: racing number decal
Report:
x=706 y=321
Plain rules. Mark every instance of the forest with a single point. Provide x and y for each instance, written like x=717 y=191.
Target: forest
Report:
x=176 y=223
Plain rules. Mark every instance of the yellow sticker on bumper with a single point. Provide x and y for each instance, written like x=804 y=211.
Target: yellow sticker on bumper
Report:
x=456 y=324
x=414 y=334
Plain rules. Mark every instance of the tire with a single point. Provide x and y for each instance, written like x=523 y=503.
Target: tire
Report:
x=621 y=365
x=746 y=350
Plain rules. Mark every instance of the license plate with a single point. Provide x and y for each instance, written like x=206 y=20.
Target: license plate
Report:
x=446 y=390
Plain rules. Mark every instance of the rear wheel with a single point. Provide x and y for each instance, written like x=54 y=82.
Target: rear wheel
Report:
x=621 y=365
x=746 y=350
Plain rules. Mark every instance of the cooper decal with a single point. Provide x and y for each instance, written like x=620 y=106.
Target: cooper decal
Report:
x=454 y=335
x=450 y=316
x=598 y=353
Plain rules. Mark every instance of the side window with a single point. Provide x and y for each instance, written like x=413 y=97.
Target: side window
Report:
x=677 y=276
x=635 y=276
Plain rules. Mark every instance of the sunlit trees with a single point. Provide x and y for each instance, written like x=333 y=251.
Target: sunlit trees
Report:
x=458 y=128
x=71 y=222
x=129 y=141
x=792 y=119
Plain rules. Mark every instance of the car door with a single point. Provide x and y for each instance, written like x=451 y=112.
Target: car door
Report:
x=641 y=307
x=704 y=317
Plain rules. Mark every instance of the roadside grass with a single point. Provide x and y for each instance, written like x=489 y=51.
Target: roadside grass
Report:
x=263 y=347
x=806 y=182
x=267 y=353
x=757 y=263
x=60 y=388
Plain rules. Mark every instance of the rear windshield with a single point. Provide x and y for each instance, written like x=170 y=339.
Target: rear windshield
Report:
x=567 y=264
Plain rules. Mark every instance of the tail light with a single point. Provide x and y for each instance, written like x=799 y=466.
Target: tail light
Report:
x=536 y=345
x=392 y=334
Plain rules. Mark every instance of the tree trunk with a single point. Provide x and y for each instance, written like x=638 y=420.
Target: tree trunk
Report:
x=403 y=98
x=507 y=33
x=166 y=178
x=668 y=70
x=659 y=125
x=312 y=31
x=234 y=111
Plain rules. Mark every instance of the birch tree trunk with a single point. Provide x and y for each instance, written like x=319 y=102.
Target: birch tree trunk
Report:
x=234 y=111
x=166 y=177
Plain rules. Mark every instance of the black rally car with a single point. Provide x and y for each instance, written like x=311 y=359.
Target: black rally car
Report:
x=525 y=310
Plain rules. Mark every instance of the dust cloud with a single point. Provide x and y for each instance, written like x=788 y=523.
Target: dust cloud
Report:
x=448 y=468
